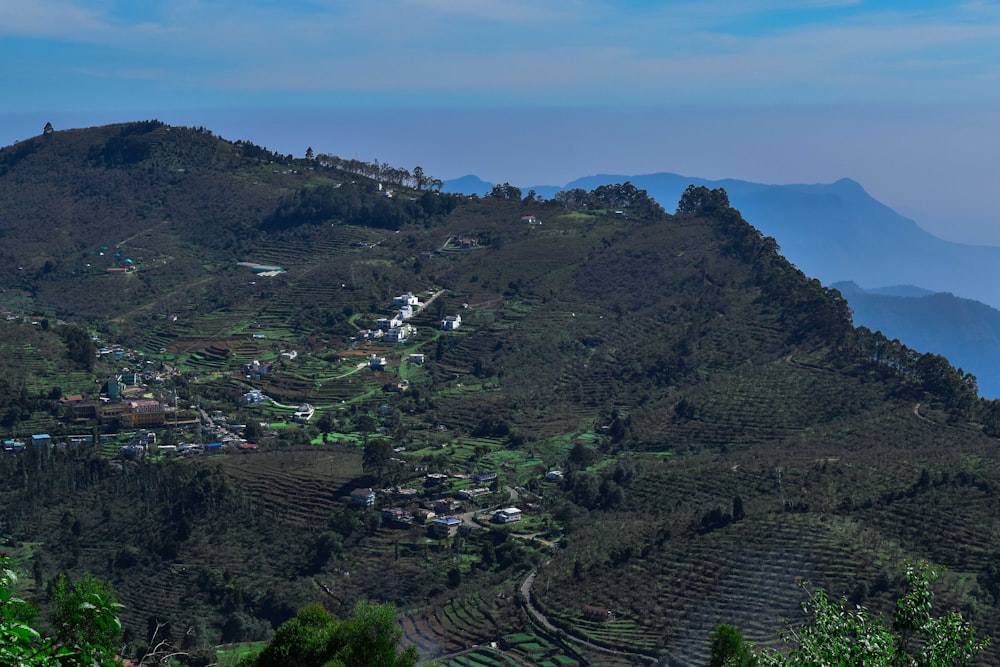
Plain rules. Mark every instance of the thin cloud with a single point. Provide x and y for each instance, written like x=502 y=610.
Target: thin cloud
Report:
x=48 y=19
x=574 y=51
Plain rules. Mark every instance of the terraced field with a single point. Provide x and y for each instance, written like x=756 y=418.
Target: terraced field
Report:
x=285 y=489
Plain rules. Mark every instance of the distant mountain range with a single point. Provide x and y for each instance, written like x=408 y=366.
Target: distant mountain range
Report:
x=833 y=232
x=940 y=293
x=967 y=332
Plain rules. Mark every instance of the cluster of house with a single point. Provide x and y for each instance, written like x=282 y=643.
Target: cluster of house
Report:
x=394 y=328
x=438 y=515
x=14 y=446
x=138 y=445
x=122 y=403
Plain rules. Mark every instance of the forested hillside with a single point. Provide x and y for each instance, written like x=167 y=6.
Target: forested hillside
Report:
x=687 y=425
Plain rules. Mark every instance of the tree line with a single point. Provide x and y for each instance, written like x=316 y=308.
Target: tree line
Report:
x=382 y=171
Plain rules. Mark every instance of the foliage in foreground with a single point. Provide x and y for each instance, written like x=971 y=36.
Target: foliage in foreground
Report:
x=85 y=616
x=839 y=635
x=314 y=638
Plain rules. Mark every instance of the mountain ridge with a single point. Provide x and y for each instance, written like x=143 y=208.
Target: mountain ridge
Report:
x=966 y=331
x=836 y=232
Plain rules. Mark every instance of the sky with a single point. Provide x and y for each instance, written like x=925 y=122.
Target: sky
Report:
x=901 y=96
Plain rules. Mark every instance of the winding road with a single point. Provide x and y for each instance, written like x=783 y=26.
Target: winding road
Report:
x=539 y=618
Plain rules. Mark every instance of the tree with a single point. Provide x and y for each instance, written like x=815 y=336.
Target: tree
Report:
x=738 y=512
x=80 y=348
x=252 y=430
x=376 y=457
x=366 y=424
x=80 y=615
x=841 y=634
x=702 y=201
x=48 y=129
x=729 y=649
x=309 y=153
x=505 y=191
x=88 y=629
x=419 y=178
x=314 y=638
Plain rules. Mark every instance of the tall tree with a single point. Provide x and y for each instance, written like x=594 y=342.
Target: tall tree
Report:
x=377 y=457
x=419 y=178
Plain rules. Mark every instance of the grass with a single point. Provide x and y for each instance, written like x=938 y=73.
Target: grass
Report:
x=228 y=655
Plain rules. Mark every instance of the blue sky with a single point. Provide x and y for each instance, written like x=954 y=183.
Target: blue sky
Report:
x=900 y=96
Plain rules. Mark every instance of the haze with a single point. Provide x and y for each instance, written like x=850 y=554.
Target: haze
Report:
x=902 y=99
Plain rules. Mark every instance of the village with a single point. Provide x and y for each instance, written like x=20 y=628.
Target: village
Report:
x=137 y=414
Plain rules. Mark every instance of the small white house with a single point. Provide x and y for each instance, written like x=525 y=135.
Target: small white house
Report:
x=377 y=363
x=405 y=300
x=417 y=358
x=398 y=334
x=451 y=322
x=386 y=323
x=507 y=515
x=363 y=497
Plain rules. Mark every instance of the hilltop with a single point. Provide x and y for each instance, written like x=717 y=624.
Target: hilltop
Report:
x=688 y=423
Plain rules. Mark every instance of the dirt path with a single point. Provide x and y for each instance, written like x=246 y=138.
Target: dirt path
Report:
x=431 y=299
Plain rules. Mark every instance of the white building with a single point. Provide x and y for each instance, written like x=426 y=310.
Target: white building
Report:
x=507 y=515
x=386 y=323
x=405 y=300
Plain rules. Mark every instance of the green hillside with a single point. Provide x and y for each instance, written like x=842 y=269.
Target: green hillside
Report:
x=722 y=431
